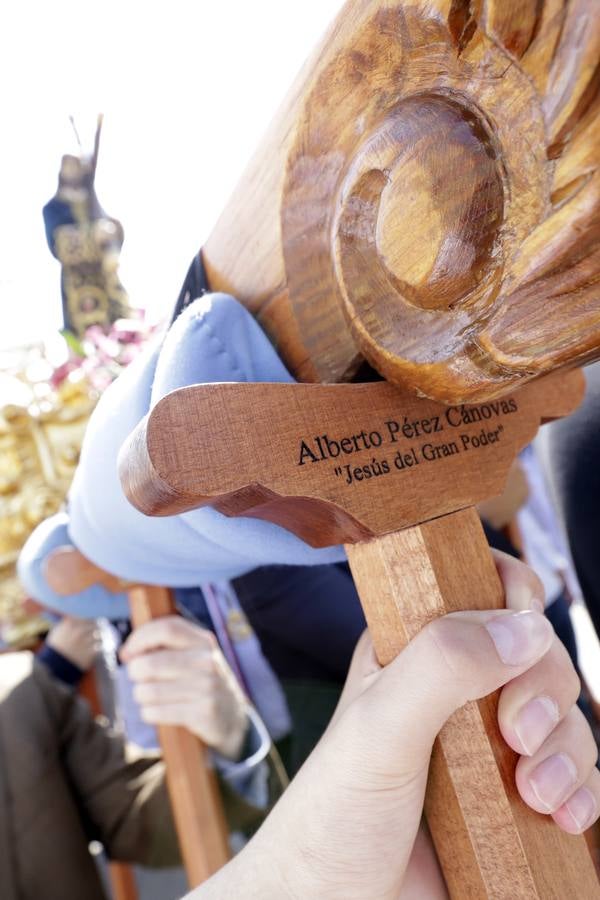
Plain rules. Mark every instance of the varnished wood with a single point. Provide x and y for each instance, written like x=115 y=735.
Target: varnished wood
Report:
x=428 y=198
x=122 y=882
x=404 y=581
x=195 y=800
x=242 y=465
x=332 y=463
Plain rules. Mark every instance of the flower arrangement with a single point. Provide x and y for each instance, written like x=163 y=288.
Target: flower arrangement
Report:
x=47 y=394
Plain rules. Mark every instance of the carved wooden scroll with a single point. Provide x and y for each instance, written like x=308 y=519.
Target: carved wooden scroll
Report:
x=428 y=198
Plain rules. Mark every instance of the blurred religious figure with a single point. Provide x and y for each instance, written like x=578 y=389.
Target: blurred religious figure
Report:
x=87 y=242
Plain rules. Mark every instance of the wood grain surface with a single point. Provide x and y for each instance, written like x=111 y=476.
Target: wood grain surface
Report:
x=428 y=199
x=332 y=463
x=195 y=798
x=490 y=844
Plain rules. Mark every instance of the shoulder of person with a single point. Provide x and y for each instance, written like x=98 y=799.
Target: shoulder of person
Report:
x=15 y=668
x=26 y=685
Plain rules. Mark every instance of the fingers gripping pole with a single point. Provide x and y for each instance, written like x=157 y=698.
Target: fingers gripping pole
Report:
x=489 y=843
x=195 y=799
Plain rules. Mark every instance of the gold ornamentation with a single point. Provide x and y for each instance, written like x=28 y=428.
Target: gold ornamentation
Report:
x=40 y=442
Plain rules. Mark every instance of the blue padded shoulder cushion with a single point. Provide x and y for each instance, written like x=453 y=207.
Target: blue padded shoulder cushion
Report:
x=214 y=339
x=95 y=602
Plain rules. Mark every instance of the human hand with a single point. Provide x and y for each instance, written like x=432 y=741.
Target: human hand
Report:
x=75 y=639
x=347 y=825
x=181 y=677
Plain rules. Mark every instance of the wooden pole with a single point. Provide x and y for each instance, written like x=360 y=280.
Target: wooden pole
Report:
x=193 y=791
x=488 y=842
x=314 y=482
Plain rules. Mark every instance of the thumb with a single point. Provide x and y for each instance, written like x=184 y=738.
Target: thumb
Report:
x=459 y=657
x=523 y=590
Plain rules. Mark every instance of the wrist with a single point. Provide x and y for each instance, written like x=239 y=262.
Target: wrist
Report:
x=60 y=665
x=235 y=743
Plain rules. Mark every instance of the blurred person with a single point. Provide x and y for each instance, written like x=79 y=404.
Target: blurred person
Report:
x=571 y=453
x=214 y=709
x=546 y=550
x=156 y=687
x=524 y=522
x=70 y=649
x=66 y=780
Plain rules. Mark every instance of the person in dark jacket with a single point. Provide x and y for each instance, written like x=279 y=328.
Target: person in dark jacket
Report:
x=66 y=780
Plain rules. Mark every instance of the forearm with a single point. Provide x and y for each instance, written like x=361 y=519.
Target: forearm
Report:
x=314 y=844
x=254 y=872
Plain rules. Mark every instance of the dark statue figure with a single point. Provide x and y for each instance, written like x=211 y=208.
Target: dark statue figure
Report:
x=87 y=242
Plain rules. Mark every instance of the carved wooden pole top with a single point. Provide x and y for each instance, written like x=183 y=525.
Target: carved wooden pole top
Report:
x=429 y=199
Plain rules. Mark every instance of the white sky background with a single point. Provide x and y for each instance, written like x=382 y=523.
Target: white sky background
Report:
x=186 y=88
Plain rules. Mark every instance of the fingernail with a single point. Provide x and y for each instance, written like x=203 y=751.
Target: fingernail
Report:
x=582 y=808
x=520 y=637
x=553 y=779
x=535 y=721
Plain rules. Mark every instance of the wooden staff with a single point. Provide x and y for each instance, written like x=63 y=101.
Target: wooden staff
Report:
x=430 y=557
x=193 y=790
x=426 y=204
